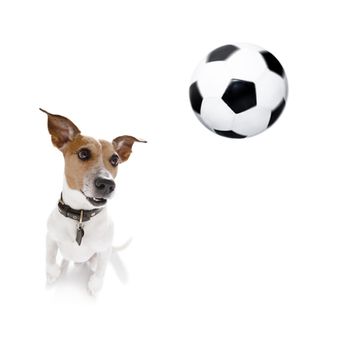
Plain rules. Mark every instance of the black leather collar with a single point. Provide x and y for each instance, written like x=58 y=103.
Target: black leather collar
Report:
x=75 y=214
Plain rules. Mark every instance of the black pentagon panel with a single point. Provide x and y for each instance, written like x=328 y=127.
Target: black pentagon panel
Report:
x=229 y=133
x=195 y=98
x=222 y=53
x=272 y=63
x=277 y=112
x=240 y=95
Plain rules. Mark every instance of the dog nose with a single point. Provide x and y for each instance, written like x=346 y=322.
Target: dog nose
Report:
x=104 y=186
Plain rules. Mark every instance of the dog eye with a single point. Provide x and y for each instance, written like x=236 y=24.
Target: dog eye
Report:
x=84 y=154
x=114 y=160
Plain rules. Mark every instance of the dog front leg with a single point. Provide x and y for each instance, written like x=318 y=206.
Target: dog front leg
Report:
x=96 y=279
x=53 y=270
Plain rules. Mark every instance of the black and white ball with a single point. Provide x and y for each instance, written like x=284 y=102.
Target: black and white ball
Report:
x=238 y=90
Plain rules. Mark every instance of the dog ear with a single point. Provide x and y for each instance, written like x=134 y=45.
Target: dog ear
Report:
x=123 y=146
x=61 y=129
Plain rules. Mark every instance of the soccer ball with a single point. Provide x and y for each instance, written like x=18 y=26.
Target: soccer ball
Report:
x=238 y=90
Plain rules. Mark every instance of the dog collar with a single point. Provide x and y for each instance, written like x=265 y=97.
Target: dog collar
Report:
x=81 y=216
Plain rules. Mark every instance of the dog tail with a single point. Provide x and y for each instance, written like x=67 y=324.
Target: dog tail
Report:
x=117 y=263
x=123 y=246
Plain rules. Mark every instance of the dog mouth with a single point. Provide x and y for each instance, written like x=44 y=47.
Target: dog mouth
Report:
x=95 y=201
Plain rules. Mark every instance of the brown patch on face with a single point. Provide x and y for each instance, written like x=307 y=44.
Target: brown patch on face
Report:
x=75 y=168
x=107 y=152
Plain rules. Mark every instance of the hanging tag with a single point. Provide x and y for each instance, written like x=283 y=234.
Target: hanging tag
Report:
x=80 y=231
x=80 y=234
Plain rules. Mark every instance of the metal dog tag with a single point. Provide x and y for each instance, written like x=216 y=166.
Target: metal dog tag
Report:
x=80 y=234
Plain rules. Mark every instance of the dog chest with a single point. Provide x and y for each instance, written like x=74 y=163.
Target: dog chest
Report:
x=73 y=252
x=98 y=236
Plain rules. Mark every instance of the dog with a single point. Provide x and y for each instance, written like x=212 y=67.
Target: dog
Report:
x=79 y=226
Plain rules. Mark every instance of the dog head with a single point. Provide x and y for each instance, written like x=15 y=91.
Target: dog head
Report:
x=90 y=165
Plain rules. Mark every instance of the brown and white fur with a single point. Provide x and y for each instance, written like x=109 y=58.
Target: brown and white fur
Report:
x=90 y=168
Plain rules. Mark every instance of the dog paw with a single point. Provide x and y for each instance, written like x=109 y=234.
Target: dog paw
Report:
x=52 y=273
x=94 y=284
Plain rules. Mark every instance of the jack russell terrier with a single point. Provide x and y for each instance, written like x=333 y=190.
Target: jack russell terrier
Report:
x=79 y=226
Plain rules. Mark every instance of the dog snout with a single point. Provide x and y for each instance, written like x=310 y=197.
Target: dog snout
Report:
x=104 y=186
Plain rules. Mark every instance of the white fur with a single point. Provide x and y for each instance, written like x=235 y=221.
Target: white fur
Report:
x=96 y=245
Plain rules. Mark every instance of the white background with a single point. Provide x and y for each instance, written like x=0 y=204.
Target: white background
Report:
x=237 y=244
